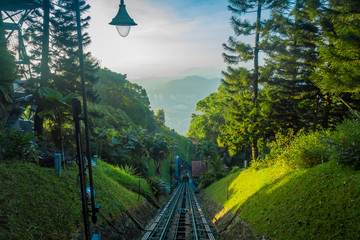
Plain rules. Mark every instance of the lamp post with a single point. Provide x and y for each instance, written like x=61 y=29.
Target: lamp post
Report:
x=123 y=21
x=87 y=134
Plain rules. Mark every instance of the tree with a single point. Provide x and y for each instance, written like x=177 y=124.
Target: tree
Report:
x=56 y=108
x=114 y=90
x=339 y=47
x=243 y=52
x=160 y=117
x=65 y=43
x=206 y=126
x=290 y=43
x=7 y=69
x=159 y=150
x=51 y=36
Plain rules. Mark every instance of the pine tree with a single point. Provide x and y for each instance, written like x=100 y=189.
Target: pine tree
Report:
x=65 y=40
x=290 y=44
x=160 y=117
x=241 y=83
x=339 y=48
x=51 y=35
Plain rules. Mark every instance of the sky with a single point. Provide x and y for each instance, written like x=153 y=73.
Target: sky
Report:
x=172 y=38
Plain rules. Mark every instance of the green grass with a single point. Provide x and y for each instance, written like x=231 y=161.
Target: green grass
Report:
x=322 y=202
x=36 y=204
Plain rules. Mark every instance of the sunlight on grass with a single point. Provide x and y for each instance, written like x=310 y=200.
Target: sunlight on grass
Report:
x=316 y=203
x=245 y=185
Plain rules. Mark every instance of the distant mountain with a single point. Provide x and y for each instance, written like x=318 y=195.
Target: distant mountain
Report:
x=178 y=97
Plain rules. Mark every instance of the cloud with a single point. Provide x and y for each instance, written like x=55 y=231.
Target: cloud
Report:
x=167 y=40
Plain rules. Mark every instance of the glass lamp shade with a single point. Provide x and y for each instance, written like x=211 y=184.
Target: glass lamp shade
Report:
x=123 y=30
x=123 y=21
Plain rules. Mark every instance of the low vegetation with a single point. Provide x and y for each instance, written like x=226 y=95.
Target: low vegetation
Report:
x=36 y=204
x=306 y=188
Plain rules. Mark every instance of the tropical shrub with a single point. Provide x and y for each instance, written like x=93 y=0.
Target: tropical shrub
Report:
x=235 y=169
x=16 y=146
x=207 y=179
x=158 y=186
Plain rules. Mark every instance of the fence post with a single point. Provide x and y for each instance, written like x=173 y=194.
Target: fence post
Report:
x=57 y=164
x=227 y=190
x=139 y=191
x=245 y=164
x=95 y=159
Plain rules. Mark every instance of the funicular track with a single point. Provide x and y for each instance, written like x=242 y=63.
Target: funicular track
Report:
x=181 y=218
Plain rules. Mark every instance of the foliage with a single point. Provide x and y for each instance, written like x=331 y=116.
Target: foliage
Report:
x=345 y=144
x=115 y=91
x=103 y=117
x=207 y=179
x=207 y=150
x=17 y=146
x=159 y=149
x=160 y=117
x=235 y=169
x=56 y=108
x=129 y=170
x=339 y=47
x=303 y=150
x=126 y=147
x=215 y=164
x=159 y=186
x=206 y=126
x=7 y=70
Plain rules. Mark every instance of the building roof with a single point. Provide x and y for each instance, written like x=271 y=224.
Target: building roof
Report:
x=198 y=167
x=15 y=5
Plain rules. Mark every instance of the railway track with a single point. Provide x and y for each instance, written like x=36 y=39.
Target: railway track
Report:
x=181 y=218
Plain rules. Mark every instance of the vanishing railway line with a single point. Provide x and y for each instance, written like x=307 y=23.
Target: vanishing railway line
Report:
x=181 y=218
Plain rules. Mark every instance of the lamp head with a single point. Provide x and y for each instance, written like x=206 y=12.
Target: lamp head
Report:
x=123 y=21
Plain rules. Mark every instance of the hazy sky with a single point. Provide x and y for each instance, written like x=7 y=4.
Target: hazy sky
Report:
x=172 y=36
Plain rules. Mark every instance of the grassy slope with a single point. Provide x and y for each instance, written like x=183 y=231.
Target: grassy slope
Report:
x=35 y=204
x=318 y=203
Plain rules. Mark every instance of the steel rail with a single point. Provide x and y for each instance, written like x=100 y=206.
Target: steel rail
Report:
x=160 y=228
x=192 y=214
x=165 y=229
x=177 y=227
x=155 y=226
x=203 y=220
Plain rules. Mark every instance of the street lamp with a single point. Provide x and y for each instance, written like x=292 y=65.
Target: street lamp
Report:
x=123 y=21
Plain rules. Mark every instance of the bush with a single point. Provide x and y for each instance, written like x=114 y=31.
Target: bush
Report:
x=207 y=179
x=345 y=144
x=235 y=169
x=299 y=151
x=158 y=186
x=308 y=150
x=16 y=146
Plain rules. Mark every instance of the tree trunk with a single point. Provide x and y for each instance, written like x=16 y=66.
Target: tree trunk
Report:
x=256 y=54
x=254 y=149
x=316 y=111
x=2 y=34
x=44 y=78
x=62 y=144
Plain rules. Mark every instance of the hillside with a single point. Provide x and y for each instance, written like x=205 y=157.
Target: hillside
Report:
x=317 y=203
x=36 y=204
x=178 y=97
